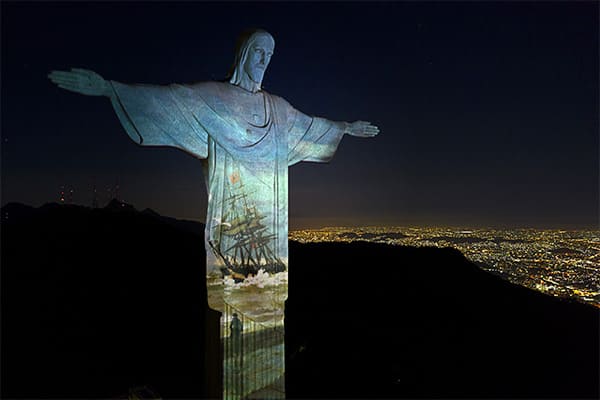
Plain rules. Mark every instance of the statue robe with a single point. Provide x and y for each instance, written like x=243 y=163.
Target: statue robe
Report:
x=246 y=171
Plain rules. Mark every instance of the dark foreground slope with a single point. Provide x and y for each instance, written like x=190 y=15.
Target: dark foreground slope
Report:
x=383 y=321
x=97 y=301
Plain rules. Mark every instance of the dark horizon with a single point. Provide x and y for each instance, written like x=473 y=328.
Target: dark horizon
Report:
x=315 y=224
x=488 y=111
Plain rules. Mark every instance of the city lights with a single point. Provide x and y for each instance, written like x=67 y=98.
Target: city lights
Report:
x=556 y=262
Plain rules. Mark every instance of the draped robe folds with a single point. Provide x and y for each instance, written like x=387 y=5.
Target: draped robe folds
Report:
x=245 y=165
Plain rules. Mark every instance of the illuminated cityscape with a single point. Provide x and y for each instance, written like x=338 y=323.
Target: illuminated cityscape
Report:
x=563 y=263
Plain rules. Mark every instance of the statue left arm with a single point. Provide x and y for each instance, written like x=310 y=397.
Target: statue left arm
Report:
x=316 y=139
x=362 y=129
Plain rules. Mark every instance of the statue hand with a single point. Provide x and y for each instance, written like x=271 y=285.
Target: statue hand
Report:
x=81 y=81
x=361 y=129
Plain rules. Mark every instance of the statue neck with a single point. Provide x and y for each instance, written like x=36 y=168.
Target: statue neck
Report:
x=248 y=84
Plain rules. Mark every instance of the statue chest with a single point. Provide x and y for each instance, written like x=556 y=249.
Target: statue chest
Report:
x=252 y=109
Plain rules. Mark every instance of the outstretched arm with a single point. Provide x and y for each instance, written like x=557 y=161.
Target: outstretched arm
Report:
x=316 y=139
x=151 y=115
x=82 y=81
x=360 y=129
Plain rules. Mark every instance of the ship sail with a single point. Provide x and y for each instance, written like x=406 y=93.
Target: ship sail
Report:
x=249 y=243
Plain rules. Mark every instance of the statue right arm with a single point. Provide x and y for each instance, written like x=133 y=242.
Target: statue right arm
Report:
x=156 y=115
x=151 y=115
x=82 y=81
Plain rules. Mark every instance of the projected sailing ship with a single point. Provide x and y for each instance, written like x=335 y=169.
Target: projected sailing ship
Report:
x=245 y=246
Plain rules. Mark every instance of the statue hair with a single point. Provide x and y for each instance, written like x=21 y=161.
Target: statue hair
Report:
x=244 y=42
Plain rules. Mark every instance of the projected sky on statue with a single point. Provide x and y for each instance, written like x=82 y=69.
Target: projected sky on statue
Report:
x=488 y=112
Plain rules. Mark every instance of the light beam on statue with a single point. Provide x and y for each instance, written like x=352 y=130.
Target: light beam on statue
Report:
x=246 y=139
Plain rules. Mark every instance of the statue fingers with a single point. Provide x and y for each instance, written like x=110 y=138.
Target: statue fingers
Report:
x=74 y=80
x=67 y=85
x=371 y=131
x=367 y=124
x=62 y=79
x=79 y=89
x=62 y=75
x=364 y=129
x=70 y=88
x=86 y=73
x=78 y=81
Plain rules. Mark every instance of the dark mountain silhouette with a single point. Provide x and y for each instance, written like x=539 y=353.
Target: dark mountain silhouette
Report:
x=20 y=212
x=96 y=301
x=379 y=321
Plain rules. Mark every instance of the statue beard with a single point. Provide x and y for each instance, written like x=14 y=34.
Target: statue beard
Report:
x=256 y=75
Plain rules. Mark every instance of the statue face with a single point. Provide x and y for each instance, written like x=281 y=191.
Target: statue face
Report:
x=258 y=58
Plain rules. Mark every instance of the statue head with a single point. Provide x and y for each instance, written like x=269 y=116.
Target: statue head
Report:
x=254 y=51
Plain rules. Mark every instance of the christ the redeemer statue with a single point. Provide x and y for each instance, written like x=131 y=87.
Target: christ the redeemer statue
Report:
x=246 y=139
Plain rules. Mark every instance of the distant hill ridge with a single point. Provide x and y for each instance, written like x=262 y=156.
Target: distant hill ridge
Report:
x=17 y=212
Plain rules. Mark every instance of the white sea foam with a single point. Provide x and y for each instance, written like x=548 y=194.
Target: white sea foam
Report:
x=261 y=280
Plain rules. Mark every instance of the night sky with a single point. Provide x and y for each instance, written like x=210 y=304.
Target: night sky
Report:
x=488 y=111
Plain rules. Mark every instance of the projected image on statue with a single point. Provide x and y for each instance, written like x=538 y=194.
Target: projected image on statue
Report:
x=246 y=139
